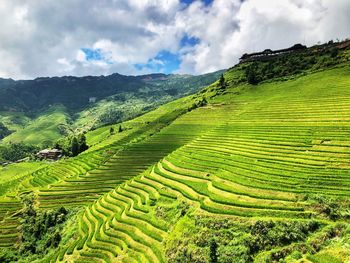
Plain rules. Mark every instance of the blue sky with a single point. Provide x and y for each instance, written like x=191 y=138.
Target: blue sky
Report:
x=93 y=54
x=206 y=2
x=187 y=40
x=164 y=61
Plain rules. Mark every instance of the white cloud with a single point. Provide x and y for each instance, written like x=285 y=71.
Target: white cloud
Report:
x=44 y=38
x=230 y=28
x=80 y=57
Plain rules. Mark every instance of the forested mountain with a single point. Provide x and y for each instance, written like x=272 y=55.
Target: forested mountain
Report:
x=52 y=107
x=74 y=92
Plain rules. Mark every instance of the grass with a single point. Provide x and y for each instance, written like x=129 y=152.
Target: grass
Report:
x=42 y=130
x=12 y=174
x=14 y=120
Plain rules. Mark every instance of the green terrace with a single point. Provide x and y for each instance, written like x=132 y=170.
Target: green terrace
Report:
x=253 y=152
x=260 y=157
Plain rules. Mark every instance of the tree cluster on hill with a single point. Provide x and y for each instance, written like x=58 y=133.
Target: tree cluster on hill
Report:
x=200 y=103
x=222 y=82
x=72 y=145
x=16 y=151
x=4 y=131
x=110 y=116
x=40 y=232
x=221 y=240
x=40 y=93
x=290 y=64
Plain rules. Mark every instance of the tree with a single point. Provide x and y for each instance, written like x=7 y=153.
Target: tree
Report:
x=75 y=146
x=252 y=74
x=334 y=52
x=222 y=82
x=16 y=151
x=82 y=143
x=4 y=131
x=110 y=116
x=213 y=251
x=120 y=128
x=56 y=239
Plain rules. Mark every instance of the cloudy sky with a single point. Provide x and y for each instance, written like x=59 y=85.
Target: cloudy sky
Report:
x=94 y=37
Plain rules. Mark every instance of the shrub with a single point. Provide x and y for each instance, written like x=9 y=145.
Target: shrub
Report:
x=8 y=255
x=40 y=230
x=252 y=74
x=213 y=251
x=334 y=52
x=4 y=131
x=233 y=254
x=332 y=208
x=267 y=234
x=16 y=151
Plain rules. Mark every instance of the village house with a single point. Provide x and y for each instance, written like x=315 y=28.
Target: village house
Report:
x=47 y=154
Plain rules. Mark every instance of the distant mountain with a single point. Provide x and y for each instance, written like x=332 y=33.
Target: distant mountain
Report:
x=42 y=110
x=75 y=93
x=5 y=83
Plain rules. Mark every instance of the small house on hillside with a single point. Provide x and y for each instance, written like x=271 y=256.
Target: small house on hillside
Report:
x=47 y=154
x=268 y=53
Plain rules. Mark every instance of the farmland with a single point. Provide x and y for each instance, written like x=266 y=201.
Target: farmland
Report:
x=251 y=172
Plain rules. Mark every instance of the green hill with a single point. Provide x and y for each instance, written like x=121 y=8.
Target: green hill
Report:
x=235 y=173
x=47 y=109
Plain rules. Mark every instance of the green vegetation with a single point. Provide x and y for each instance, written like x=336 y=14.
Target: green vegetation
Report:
x=72 y=145
x=40 y=232
x=11 y=175
x=235 y=173
x=16 y=151
x=294 y=63
x=14 y=120
x=43 y=130
x=214 y=239
x=3 y=131
x=48 y=109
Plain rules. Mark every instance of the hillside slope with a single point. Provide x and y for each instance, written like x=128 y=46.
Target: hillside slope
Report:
x=277 y=150
x=235 y=173
x=54 y=107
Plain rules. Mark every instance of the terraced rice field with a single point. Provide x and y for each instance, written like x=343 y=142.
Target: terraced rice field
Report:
x=253 y=153
x=259 y=159
x=9 y=222
x=81 y=180
x=123 y=164
x=10 y=177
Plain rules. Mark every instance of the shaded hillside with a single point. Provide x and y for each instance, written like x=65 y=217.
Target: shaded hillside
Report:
x=74 y=92
x=43 y=110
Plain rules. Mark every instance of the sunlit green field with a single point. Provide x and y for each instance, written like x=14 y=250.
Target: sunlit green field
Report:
x=42 y=129
x=264 y=153
x=11 y=174
x=255 y=164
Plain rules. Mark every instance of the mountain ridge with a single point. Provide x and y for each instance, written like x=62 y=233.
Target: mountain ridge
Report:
x=51 y=107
